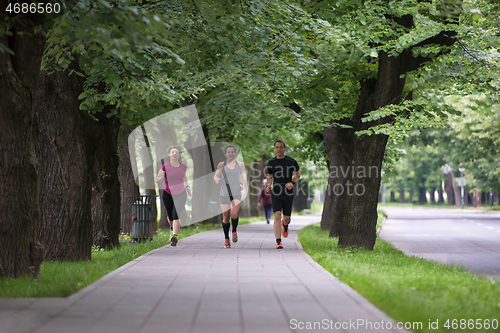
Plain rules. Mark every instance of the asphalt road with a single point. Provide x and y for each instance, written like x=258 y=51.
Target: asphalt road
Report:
x=450 y=236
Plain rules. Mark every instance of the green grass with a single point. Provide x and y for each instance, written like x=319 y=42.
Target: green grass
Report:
x=496 y=207
x=408 y=289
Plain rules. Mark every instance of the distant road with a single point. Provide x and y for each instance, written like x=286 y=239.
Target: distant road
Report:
x=450 y=236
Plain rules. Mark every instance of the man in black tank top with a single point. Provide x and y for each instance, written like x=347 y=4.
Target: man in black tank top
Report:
x=280 y=169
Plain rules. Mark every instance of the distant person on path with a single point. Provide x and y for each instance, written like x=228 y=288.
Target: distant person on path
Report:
x=176 y=186
x=265 y=201
x=280 y=169
x=230 y=172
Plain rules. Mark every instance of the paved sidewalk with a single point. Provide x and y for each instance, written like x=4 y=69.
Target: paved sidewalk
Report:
x=199 y=286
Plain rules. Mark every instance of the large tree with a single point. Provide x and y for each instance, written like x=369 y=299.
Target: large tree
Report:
x=388 y=42
x=20 y=57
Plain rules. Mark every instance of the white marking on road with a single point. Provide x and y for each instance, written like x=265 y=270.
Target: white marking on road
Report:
x=490 y=228
x=479 y=224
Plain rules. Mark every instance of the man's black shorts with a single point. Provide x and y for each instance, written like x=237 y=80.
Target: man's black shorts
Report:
x=282 y=199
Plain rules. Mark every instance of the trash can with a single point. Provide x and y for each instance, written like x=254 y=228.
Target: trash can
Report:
x=142 y=226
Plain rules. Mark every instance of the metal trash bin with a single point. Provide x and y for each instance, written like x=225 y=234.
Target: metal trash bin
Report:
x=142 y=226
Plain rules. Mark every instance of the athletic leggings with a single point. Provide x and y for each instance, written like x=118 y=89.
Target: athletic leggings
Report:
x=174 y=211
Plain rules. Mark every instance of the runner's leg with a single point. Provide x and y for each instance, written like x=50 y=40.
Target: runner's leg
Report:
x=235 y=208
x=179 y=207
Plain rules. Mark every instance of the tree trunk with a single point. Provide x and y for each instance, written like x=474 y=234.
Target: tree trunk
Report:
x=21 y=253
x=456 y=190
x=358 y=216
x=410 y=199
x=477 y=198
x=105 y=184
x=422 y=199
x=128 y=186
x=392 y=199
x=334 y=140
x=448 y=187
x=246 y=204
x=358 y=213
x=401 y=196
x=440 y=195
x=64 y=159
x=433 y=196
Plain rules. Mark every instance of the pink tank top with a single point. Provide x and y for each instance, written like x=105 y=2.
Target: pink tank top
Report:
x=174 y=178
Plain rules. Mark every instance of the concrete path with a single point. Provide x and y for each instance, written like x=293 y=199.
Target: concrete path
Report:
x=199 y=286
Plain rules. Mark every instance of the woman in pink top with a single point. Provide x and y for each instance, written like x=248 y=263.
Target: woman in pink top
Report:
x=176 y=186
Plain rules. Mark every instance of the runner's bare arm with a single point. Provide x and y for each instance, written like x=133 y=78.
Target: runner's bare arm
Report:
x=186 y=185
x=296 y=176
x=218 y=172
x=160 y=175
x=269 y=185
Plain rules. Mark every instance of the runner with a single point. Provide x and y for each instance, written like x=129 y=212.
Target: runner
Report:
x=280 y=169
x=176 y=186
x=230 y=191
x=265 y=200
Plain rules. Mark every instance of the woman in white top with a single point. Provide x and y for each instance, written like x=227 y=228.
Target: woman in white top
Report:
x=230 y=172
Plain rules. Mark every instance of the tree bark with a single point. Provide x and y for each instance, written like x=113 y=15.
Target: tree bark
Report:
x=358 y=213
x=448 y=187
x=456 y=190
x=410 y=199
x=432 y=195
x=401 y=196
x=422 y=199
x=334 y=140
x=440 y=195
x=392 y=198
x=128 y=186
x=477 y=198
x=21 y=253
x=247 y=205
x=105 y=184
x=63 y=154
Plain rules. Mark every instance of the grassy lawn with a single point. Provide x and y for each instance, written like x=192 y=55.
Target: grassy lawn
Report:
x=408 y=289
x=62 y=279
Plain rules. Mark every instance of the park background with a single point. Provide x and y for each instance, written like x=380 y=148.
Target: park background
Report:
x=409 y=88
